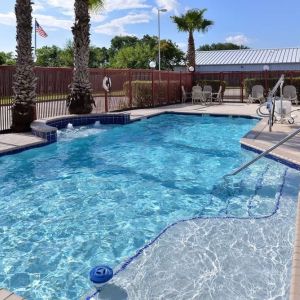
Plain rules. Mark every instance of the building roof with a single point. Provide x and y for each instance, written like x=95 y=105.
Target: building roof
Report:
x=248 y=56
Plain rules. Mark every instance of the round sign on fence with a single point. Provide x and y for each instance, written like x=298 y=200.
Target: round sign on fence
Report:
x=106 y=83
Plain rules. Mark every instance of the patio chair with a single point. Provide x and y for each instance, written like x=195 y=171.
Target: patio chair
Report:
x=290 y=93
x=257 y=94
x=185 y=95
x=197 y=95
x=217 y=97
x=207 y=93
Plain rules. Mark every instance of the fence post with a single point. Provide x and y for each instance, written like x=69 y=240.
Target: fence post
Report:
x=266 y=73
x=152 y=78
x=106 y=102
x=168 y=87
x=130 y=89
x=242 y=86
x=180 y=84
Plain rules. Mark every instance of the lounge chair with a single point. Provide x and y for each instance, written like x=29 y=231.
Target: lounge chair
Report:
x=257 y=94
x=217 y=97
x=290 y=93
x=197 y=95
x=185 y=95
x=207 y=93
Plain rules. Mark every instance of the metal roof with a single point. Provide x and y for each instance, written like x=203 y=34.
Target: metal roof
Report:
x=248 y=56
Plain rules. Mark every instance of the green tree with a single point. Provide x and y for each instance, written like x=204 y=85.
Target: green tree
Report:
x=98 y=57
x=142 y=51
x=119 y=42
x=193 y=20
x=80 y=99
x=49 y=56
x=66 y=56
x=6 y=58
x=171 y=55
x=133 y=57
x=24 y=85
x=221 y=46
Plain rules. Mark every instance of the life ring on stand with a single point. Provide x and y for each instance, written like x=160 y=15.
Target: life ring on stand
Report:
x=106 y=83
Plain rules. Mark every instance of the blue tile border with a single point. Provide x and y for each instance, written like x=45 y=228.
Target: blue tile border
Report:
x=273 y=157
x=47 y=129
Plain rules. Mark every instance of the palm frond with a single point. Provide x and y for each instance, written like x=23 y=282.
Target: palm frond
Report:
x=96 y=5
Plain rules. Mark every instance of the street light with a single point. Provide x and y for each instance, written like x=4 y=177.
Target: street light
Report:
x=159 y=10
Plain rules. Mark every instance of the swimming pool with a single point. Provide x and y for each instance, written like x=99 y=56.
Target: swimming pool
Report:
x=101 y=193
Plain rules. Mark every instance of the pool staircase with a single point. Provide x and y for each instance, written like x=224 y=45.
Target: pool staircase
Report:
x=254 y=196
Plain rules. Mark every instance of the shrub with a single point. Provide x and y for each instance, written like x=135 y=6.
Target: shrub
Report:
x=142 y=91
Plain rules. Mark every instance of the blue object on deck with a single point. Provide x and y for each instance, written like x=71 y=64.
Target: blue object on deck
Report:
x=101 y=274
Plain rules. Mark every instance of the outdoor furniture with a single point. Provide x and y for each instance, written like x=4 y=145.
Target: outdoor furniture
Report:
x=257 y=94
x=185 y=95
x=290 y=93
x=197 y=95
x=207 y=93
x=217 y=97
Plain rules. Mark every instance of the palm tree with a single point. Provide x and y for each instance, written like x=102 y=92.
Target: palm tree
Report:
x=23 y=109
x=80 y=100
x=192 y=20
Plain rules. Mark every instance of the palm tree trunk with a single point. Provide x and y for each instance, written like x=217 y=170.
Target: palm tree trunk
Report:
x=23 y=109
x=191 y=50
x=80 y=99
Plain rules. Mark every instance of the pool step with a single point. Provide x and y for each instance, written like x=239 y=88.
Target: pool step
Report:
x=6 y=295
x=253 y=196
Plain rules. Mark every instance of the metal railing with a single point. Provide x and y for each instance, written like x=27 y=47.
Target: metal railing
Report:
x=243 y=167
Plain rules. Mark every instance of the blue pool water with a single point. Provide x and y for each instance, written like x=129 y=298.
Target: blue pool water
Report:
x=101 y=193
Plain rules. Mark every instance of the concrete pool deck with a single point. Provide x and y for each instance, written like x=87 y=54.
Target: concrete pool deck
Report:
x=258 y=138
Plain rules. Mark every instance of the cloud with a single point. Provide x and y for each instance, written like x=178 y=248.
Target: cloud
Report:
x=52 y=22
x=124 y=4
x=170 y=5
x=37 y=5
x=66 y=6
x=239 y=39
x=117 y=26
x=182 y=46
x=8 y=19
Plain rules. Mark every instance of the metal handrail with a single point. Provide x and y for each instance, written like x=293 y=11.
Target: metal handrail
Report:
x=264 y=153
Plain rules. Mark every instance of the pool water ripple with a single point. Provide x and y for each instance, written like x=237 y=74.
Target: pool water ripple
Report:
x=99 y=194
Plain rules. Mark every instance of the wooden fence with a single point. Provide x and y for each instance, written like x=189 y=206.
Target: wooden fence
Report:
x=157 y=88
x=53 y=88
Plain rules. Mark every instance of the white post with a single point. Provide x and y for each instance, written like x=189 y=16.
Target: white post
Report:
x=158 y=20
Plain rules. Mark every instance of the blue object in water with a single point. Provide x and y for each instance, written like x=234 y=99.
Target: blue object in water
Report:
x=100 y=275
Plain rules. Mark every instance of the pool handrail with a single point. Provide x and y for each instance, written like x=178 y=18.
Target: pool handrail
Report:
x=264 y=153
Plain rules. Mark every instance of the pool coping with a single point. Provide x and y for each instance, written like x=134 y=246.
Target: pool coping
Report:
x=295 y=278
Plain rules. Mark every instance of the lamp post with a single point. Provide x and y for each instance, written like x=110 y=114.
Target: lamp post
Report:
x=159 y=10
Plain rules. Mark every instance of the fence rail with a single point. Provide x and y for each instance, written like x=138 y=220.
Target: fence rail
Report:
x=130 y=88
x=53 y=87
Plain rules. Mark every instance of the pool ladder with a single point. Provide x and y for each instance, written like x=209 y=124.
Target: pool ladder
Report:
x=243 y=167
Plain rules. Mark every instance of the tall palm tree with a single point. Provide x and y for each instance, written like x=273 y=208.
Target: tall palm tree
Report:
x=80 y=100
x=23 y=109
x=192 y=20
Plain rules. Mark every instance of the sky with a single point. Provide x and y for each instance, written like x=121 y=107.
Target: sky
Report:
x=255 y=23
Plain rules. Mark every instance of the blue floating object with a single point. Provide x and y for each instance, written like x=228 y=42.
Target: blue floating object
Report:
x=101 y=274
